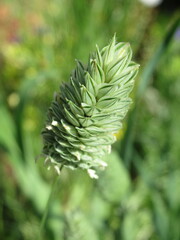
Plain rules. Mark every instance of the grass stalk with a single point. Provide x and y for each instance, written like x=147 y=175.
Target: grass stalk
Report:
x=46 y=211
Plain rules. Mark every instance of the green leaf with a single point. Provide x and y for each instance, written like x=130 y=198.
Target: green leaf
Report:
x=127 y=145
x=78 y=226
x=114 y=182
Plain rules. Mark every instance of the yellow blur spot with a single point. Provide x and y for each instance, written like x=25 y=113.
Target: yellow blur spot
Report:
x=13 y=100
x=119 y=135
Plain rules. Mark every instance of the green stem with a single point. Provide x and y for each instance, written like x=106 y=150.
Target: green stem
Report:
x=46 y=211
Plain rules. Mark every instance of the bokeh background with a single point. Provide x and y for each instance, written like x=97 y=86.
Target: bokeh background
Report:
x=138 y=196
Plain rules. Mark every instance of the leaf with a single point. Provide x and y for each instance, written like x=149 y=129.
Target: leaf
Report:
x=152 y=64
x=114 y=182
x=78 y=226
x=127 y=144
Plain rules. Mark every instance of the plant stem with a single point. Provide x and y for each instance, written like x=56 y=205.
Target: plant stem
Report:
x=46 y=211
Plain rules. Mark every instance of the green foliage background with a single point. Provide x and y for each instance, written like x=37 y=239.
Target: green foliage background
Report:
x=138 y=196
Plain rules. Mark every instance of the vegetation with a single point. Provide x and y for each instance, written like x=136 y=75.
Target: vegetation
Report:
x=137 y=197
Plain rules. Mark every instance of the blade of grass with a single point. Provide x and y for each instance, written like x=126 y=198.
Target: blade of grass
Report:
x=151 y=65
x=29 y=181
x=47 y=208
x=127 y=144
x=25 y=173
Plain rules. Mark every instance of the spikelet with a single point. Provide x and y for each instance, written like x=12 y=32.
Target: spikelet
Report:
x=89 y=109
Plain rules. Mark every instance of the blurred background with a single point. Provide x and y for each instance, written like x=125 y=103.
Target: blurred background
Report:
x=138 y=196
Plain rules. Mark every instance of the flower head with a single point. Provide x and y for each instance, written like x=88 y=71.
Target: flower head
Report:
x=89 y=109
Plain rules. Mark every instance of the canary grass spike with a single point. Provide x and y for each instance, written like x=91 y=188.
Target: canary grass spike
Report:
x=88 y=110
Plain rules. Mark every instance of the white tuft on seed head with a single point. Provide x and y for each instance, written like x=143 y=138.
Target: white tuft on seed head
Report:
x=92 y=173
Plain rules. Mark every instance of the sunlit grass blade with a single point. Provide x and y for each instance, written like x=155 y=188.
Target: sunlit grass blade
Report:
x=152 y=64
x=127 y=143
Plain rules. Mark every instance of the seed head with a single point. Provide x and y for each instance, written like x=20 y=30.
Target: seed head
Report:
x=89 y=109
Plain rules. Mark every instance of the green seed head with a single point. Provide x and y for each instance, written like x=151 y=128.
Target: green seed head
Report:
x=89 y=109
